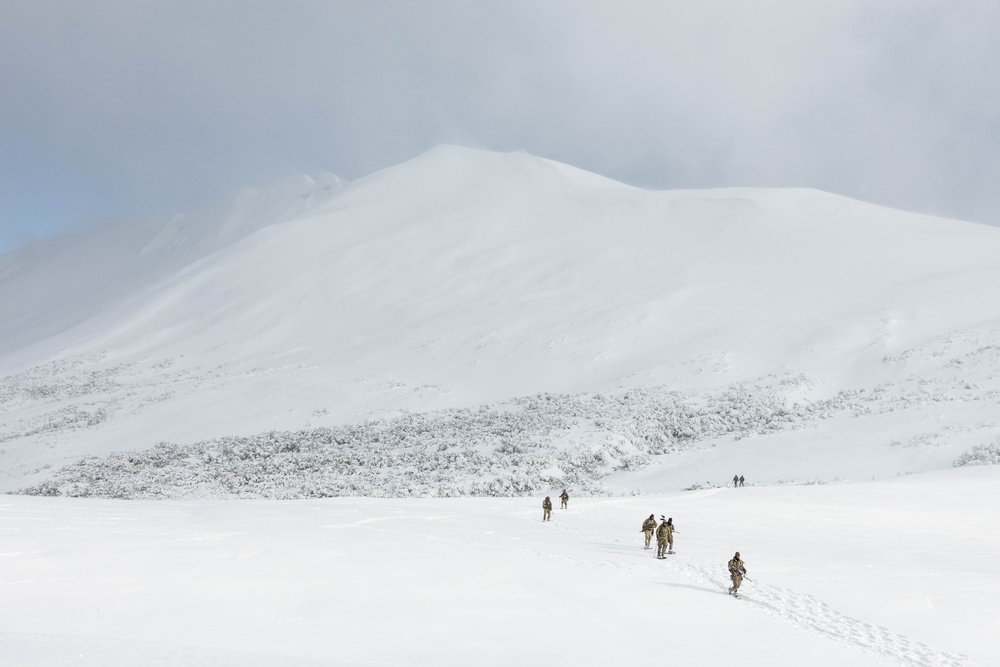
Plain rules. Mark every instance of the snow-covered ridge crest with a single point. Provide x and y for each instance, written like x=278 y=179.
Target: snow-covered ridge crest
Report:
x=465 y=278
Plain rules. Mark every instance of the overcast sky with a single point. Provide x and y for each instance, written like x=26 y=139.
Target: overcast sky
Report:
x=112 y=109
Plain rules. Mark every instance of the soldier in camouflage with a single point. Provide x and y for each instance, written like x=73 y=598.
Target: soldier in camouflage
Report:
x=547 y=509
x=565 y=499
x=737 y=570
x=648 y=528
x=662 y=535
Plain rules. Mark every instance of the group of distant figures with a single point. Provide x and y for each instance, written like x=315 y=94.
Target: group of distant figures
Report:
x=547 y=505
x=664 y=536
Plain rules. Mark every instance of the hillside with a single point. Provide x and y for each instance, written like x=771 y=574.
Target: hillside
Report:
x=602 y=328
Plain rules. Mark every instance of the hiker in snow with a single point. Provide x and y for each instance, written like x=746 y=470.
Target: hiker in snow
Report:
x=670 y=535
x=662 y=534
x=736 y=481
x=648 y=528
x=565 y=499
x=736 y=572
x=547 y=509
x=741 y=480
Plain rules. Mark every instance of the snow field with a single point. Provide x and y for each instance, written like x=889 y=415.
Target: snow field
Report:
x=895 y=572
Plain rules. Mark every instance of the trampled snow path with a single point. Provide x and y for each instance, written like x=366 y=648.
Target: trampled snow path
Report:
x=812 y=614
x=797 y=608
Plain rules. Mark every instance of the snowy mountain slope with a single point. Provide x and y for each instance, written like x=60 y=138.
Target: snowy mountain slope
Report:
x=465 y=277
x=58 y=283
x=895 y=572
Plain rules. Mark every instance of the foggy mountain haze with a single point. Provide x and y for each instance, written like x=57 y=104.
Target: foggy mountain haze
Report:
x=117 y=110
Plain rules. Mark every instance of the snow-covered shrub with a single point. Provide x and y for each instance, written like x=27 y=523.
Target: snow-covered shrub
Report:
x=523 y=446
x=980 y=455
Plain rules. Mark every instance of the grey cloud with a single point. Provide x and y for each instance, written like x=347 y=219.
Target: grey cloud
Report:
x=125 y=108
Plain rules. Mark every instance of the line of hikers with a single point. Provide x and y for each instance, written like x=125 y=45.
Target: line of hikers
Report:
x=664 y=537
x=547 y=505
x=738 y=480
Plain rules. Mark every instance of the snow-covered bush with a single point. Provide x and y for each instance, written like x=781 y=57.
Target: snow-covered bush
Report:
x=523 y=446
x=980 y=455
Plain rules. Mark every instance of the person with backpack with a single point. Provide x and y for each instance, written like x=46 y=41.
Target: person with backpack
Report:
x=737 y=570
x=565 y=499
x=648 y=528
x=670 y=535
x=662 y=535
x=547 y=509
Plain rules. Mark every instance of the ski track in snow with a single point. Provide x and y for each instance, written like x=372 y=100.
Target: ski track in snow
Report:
x=812 y=614
x=805 y=611
x=801 y=610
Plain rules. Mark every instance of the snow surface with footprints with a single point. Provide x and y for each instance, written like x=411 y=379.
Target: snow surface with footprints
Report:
x=892 y=572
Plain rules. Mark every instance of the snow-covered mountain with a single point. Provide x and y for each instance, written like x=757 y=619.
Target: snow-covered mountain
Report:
x=659 y=327
x=473 y=323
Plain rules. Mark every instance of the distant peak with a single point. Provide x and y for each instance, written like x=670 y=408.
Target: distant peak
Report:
x=453 y=163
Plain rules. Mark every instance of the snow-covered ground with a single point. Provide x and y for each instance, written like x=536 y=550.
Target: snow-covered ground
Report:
x=894 y=572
